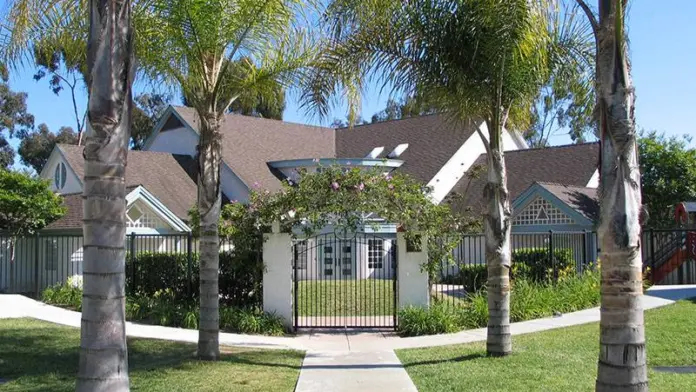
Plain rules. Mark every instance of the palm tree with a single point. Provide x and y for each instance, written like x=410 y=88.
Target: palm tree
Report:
x=200 y=40
x=110 y=64
x=622 y=362
x=469 y=58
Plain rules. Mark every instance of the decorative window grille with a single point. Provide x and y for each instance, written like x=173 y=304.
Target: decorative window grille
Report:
x=375 y=253
x=139 y=217
x=541 y=212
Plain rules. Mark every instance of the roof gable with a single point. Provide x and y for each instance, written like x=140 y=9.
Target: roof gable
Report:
x=170 y=178
x=570 y=165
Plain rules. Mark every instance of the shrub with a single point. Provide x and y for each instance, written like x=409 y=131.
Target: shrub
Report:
x=68 y=294
x=529 y=300
x=415 y=321
x=240 y=280
x=533 y=264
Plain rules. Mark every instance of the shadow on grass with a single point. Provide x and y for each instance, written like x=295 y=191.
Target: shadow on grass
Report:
x=53 y=352
x=464 y=358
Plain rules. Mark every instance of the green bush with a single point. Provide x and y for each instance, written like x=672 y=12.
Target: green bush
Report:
x=529 y=300
x=533 y=264
x=67 y=295
x=416 y=321
x=165 y=308
x=240 y=280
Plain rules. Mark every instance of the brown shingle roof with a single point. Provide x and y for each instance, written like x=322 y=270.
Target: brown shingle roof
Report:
x=170 y=178
x=571 y=165
x=582 y=199
x=432 y=140
x=73 y=216
x=249 y=142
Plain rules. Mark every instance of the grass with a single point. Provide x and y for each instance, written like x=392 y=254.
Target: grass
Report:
x=40 y=356
x=558 y=360
x=366 y=297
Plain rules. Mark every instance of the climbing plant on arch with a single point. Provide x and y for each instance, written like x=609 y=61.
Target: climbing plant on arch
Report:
x=347 y=199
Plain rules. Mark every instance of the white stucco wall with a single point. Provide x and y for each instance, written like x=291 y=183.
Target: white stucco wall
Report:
x=413 y=283
x=456 y=167
x=176 y=141
x=277 y=276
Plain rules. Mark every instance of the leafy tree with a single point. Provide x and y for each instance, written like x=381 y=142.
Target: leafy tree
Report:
x=566 y=101
x=622 y=362
x=26 y=205
x=14 y=118
x=217 y=52
x=409 y=107
x=468 y=58
x=147 y=111
x=36 y=146
x=111 y=67
x=668 y=175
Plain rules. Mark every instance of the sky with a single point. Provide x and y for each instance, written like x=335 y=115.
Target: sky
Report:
x=663 y=52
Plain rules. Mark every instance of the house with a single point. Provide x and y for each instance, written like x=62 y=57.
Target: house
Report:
x=551 y=189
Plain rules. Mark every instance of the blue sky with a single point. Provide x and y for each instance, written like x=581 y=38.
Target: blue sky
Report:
x=663 y=51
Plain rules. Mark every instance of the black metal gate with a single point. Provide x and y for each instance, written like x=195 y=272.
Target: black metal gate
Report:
x=345 y=281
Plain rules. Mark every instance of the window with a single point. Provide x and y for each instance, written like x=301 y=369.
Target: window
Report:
x=375 y=253
x=301 y=255
x=541 y=212
x=60 y=175
x=140 y=217
x=51 y=255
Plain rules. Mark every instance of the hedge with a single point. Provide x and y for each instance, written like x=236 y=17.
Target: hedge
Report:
x=240 y=280
x=533 y=264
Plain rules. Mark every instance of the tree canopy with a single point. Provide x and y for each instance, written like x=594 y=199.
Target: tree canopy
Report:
x=27 y=204
x=15 y=120
x=668 y=170
x=36 y=146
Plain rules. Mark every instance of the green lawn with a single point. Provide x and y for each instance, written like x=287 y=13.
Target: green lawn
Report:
x=559 y=360
x=366 y=297
x=40 y=356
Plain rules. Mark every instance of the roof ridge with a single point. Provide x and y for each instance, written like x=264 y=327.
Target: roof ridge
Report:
x=392 y=120
x=563 y=185
x=553 y=147
x=260 y=118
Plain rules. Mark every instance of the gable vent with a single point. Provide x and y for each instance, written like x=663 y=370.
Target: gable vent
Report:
x=375 y=153
x=398 y=150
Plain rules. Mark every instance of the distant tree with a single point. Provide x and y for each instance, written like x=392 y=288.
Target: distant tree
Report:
x=26 y=205
x=37 y=145
x=14 y=118
x=565 y=104
x=146 y=112
x=668 y=169
x=411 y=106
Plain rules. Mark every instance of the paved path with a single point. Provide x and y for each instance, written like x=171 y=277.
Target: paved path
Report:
x=345 y=361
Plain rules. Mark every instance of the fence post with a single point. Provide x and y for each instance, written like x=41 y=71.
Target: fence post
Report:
x=652 y=256
x=189 y=261
x=553 y=259
x=584 y=251
x=132 y=254
x=37 y=286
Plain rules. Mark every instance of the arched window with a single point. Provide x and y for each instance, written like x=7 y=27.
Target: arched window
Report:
x=60 y=175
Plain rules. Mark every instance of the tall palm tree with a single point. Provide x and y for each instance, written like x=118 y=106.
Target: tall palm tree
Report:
x=103 y=354
x=622 y=364
x=469 y=58
x=197 y=42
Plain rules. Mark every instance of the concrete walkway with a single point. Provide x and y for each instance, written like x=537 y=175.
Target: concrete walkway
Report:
x=344 y=360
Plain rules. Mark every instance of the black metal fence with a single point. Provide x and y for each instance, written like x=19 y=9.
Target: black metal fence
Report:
x=345 y=282
x=538 y=256
x=667 y=257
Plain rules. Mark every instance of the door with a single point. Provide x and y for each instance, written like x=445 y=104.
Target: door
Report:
x=338 y=258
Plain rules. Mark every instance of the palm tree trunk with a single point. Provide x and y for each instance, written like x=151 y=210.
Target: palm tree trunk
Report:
x=103 y=355
x=622 y=357
x=498 y=259
x=209 y=158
